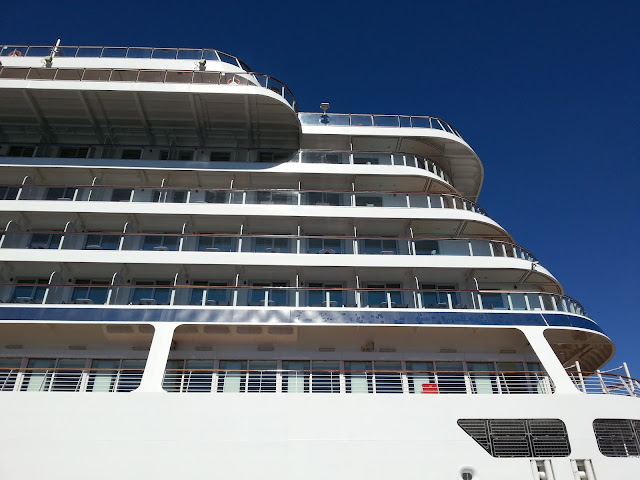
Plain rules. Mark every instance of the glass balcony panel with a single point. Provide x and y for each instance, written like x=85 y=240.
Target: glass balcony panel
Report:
x=38 y=376
x=483 y=380
x=455 y=247
x=295 y=378
x=103 y=375
x=358 y=377
x=232 y=377
x=386 y=121
x=518 y=301
x=427 y=247
x=494 y=301
x=421 y=378
x=361 y=120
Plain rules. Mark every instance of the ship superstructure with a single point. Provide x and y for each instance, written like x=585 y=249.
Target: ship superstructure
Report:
x=177 y=236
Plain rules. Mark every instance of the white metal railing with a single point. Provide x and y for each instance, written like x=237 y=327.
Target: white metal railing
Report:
x=606 y=382
x=356 y=381
x=69 y=379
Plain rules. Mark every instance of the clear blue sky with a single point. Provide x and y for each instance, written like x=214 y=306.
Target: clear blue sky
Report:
x=547 y=93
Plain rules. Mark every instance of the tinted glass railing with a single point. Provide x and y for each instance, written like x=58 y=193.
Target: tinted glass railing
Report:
x=359 y=120
x=278 y=294
x=305 y=244
x=153 y=76
x=121 y=52
x=110 y=193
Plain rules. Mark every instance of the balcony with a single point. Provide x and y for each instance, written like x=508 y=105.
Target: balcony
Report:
x=329 y=295
x=392 y=121
x=151 y=194
x=260 y=243
x=357 y=378
x=121 y=52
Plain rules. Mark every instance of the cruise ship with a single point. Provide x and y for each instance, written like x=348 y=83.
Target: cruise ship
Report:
x=199 y=281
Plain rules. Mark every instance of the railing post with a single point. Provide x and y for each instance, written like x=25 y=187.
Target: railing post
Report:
x=581 y=377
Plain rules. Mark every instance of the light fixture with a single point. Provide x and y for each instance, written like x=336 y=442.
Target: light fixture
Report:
x=324 y=106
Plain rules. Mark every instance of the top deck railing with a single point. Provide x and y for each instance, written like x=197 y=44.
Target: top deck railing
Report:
x=363 y=120
x=122 y=52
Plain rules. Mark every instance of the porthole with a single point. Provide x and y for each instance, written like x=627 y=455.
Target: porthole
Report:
x=466 y=473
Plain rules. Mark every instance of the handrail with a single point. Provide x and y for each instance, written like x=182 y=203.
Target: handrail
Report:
x=605 y=383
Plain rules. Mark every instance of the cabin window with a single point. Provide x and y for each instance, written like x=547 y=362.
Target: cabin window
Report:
x=216 y=244
x=131 y=154
x=220 y=157
x=9 y=193
x=90 y=292
x=73 y=152
x=209 y=293
x=268 y=293
x=61 y=193
x=45 y=240
x=368 y=201
x=121 y=194
x=271 y=245
x=21 y=151
x=324 y=245
x=153 y=292
x=325 y=295
x=100 y=241
x=161 y=242
x=30 y=291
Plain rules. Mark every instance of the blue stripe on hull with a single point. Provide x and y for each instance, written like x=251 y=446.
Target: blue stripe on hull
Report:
x=221 y=315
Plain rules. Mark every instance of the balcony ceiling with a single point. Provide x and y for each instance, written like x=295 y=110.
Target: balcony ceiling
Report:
x=241 y=118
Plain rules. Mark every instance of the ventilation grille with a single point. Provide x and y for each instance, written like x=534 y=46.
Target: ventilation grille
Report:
x=617 y=437
x=519 y=437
